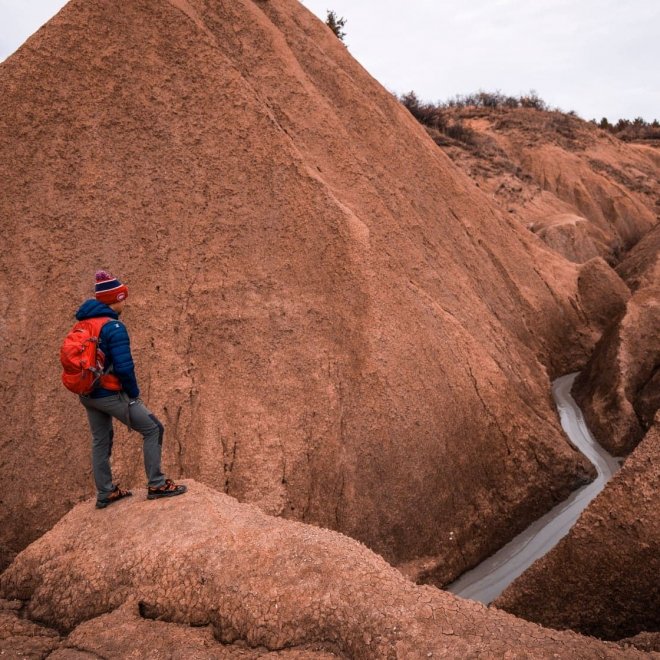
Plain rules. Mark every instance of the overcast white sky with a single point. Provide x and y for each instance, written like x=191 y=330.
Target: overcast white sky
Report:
x=597 y=57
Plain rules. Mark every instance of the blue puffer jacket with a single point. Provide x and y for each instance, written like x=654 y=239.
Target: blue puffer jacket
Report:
x=116 y=346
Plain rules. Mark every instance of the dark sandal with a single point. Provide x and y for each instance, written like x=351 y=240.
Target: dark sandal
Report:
x=168 y=489
x=116 y=495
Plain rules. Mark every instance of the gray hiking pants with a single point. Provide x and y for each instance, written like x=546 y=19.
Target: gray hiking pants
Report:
x=137 y=417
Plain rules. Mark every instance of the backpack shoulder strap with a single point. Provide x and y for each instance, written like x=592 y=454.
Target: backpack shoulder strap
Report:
x=96 y=323
x=102 y=321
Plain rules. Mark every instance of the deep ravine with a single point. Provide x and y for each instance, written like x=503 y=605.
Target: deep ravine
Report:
x=487 y=581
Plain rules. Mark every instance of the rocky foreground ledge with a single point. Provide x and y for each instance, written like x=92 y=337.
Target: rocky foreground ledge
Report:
x=205 y=575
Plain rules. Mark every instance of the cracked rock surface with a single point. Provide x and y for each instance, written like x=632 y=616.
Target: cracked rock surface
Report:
x=205 y=560
x=21 y=638
x=123 y=633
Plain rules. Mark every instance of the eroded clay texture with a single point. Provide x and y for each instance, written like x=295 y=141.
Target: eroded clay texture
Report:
x=203 y=559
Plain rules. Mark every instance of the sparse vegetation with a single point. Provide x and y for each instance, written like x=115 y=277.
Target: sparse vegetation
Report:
x=625 y=129
x=434 y=114
x=442 y=116
x=496 y=99
x=425 y=113
x=440 y=119
x=336 y=24
x=437 y=118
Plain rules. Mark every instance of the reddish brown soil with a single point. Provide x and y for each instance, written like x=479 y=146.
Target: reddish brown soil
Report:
x=582 y=191
x=331 y=320
x=644 y=641
x=602 y=579
x=124 y=633
x=205 y=560
x=22 y=638
x=641 y=267
x=619 y=390
x=602 y=294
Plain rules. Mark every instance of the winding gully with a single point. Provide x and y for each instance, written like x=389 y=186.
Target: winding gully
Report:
x=488 y=580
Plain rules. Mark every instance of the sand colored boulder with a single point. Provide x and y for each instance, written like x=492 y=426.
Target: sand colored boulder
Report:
x=205 y=560
x=330 y=318
x=602 y=578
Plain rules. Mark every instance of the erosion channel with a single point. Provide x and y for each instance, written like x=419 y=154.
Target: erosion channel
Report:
x=486 y=581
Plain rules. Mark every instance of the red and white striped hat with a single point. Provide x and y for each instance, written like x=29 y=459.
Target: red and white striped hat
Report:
x=109 y=289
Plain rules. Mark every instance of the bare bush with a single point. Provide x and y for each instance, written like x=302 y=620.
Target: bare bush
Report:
x=438 y=115
x=336 y=24
x=625 y=129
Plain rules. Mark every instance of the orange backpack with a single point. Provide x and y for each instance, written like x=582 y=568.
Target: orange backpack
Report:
x=82 y=359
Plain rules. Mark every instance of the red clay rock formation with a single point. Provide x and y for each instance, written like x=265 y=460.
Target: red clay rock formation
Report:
x=609 y=205
x=572 y=236
x=641 y=267
x=124 y=633
x=205 y=560
x=331 y=320
x=6 y=557
x=602 y=578
x=21 y=638
x=619 y=390
x=581 y=190
x=601 y=293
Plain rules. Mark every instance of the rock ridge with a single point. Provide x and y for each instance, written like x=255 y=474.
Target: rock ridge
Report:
x=205 y=560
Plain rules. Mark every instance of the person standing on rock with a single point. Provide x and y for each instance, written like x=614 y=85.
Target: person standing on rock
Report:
x=117 y=395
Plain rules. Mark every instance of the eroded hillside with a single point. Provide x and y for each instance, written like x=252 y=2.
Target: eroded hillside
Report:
x=331 y=319
x=602 y=579
x=583 y=191
x=335 y=322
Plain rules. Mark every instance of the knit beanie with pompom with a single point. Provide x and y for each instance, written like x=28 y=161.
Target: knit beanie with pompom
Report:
x=109 y=289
